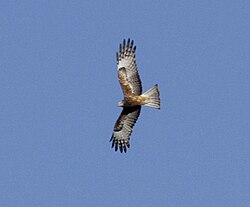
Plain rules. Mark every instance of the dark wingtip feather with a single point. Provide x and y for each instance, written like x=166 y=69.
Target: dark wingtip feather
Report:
x=124 y=43
x=120 y=49
x=121 y=149
x=128 y=43
x=117 y=56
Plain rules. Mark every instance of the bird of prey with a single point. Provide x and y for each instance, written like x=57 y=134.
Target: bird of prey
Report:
x=133 y=97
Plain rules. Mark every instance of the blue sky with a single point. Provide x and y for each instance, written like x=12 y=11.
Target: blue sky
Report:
x=59 y=94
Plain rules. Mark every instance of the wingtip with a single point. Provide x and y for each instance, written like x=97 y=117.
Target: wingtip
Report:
x=111 y=138
x=123 y=149
x=117 y=57
x=128 y=43
x=118 y=146
x=120 y=48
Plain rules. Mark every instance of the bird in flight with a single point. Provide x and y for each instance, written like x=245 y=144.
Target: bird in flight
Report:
x=133 y=97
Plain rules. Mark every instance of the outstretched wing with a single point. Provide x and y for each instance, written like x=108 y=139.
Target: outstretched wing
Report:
x=127 y=70
x=123 y=128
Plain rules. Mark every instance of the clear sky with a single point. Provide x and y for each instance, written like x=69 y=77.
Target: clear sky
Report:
x=59 y=93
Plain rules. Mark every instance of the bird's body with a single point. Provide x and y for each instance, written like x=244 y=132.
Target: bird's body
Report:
x=133 y=98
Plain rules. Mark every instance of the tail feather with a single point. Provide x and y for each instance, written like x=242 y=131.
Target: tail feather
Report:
x=152 y=97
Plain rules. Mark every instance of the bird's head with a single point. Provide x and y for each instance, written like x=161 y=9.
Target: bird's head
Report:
x=121 y=103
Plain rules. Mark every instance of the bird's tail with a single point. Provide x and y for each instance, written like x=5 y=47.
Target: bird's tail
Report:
x=152 y=97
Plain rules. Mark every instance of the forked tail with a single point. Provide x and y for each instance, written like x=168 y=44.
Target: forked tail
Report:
x=152 y=97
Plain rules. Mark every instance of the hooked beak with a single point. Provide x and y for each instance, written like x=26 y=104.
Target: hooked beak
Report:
x=120 y=103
